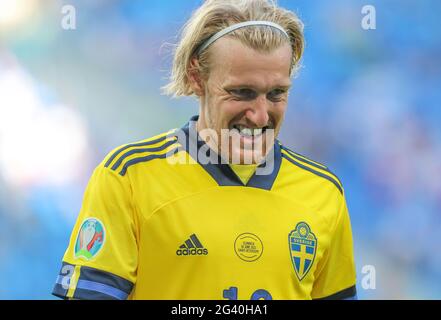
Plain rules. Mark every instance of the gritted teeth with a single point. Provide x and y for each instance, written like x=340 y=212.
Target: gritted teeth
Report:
x=246 y=131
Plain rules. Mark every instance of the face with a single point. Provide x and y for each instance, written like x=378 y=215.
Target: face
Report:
x=244 y=99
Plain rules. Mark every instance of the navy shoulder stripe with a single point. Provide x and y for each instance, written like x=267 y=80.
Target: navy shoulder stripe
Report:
x=310 y=162
x=298 y=164
x=303 y=158
x=134 y=151
x=139 y=144
x=150 y=157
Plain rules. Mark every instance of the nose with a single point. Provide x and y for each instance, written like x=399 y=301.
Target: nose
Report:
x=258 y=112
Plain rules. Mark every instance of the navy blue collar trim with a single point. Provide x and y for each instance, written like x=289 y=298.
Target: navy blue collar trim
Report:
x=222 y=172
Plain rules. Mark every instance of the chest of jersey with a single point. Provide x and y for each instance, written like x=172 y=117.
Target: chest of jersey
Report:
x=230 y=242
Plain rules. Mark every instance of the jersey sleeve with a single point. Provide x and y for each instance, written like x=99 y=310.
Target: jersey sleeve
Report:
x=101 y=259
x=336 y=275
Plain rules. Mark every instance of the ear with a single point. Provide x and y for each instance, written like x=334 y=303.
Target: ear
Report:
x=194 y=77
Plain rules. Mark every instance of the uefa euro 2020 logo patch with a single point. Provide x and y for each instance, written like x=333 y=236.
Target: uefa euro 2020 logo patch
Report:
x=90 y=239
x=302 y=247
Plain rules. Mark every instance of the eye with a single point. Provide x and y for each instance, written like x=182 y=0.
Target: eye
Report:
x=276 y=95
x=243 y=94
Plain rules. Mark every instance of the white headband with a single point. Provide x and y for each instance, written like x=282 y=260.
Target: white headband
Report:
x=236 y=26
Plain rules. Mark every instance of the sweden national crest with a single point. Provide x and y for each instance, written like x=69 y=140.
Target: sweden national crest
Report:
x=302 y=247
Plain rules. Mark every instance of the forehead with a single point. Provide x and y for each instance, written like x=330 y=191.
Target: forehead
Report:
x=235 y=64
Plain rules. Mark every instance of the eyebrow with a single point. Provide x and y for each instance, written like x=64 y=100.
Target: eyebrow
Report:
x=252 y=87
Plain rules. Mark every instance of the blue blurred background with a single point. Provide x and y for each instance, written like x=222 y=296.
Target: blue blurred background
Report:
x=366 y=103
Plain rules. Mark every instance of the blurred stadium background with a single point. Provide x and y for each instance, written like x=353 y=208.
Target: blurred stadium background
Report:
x=366 y=103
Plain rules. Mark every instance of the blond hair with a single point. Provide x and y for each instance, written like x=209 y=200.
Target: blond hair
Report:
x=215 y=15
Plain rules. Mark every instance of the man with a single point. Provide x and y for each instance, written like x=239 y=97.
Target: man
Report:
x=219 y=208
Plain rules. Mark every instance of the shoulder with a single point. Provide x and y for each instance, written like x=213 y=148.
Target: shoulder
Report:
x=312 y=169
x=120 y=159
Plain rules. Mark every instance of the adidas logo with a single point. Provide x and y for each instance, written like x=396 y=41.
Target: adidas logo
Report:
x=192 y=247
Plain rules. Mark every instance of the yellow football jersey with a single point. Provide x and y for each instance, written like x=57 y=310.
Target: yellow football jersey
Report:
x=159 y=223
